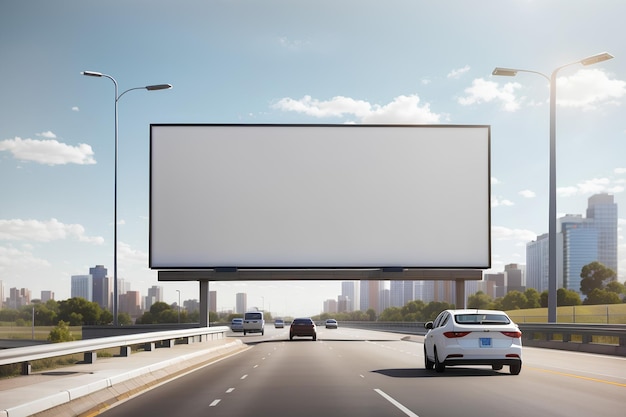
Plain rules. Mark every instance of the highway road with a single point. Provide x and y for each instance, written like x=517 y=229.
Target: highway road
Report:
x=350 y=372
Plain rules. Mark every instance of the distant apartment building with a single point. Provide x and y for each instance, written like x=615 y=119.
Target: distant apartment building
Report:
x=82 y=286
x=515 y=277
x=580 y=241
x=101 y=292
x=241 y=302
x=212 y=302
x=18 y=297
x=350 y=296
x=130 y=303
x=47 y=296
x=330 y=306
x=401 y=292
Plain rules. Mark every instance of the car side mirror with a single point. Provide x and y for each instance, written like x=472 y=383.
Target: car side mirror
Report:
x=428 y=325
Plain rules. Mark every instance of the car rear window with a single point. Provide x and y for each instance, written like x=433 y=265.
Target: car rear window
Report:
x=253 y=316
x=477 y=318
x=302 y=321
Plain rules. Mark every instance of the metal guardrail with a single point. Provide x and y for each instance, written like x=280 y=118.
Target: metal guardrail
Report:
x=607 y=339
x=25 y=355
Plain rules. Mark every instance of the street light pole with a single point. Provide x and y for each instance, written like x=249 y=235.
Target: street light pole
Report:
x=552 y=281
x=117 y=97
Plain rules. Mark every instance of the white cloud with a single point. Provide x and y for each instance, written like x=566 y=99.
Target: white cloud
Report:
x=75 y=108
x=505 y=233
x=620 y=170
x=403 y=109
x=47 y=135
x=457 y=73
x=588 y=88
x=13 y=258
x=497 y=202
x=495 y=181
x=487 y=91
x=43 y=231
x=49 y=152
x=527 y=194
x=589 y=187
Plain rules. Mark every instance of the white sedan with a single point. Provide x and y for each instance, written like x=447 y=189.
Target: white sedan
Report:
x=473 y=337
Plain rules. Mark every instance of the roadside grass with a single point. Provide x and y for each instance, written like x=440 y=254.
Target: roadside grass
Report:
x=8 y=330
x=590 y=314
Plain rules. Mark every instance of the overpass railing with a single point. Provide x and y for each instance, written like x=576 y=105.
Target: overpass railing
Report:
x=89 y=347
x=607 y=339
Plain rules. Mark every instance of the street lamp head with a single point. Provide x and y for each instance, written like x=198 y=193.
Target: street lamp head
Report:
x=507 y=72
x=604 y=56
x=92 y=73
x=158 y=87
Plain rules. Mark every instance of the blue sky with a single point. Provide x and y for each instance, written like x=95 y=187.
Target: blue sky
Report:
x=289 y=61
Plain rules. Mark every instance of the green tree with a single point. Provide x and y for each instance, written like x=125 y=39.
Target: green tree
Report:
x=598 y=296
x=61 y=333
x=616 y=287
x=78 y=311
x=565 y=297
x=432 y=310
x=391 y=314
x=371 y=314
x=533 y=298
x=514 y=300
x=123 y=319
x=595 y=276
x=479 y=300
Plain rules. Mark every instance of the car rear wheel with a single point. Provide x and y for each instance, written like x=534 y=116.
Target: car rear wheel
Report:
x=515 y=369
x=428 y=364
x=439 y=367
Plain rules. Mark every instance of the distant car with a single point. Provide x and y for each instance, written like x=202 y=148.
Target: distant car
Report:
x=236 y=325
x=253 y=322
x=473 y=337
x=303 y=327
x=279 y=323
x=331 y=324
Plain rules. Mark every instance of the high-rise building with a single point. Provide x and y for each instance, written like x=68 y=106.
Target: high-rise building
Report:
x=213 y=301
x=515 y=277
x=603 y=211
x=18 y=298
x=47 y=296
x=1 y=294
x=101 y=292
x=537 y=265
x=580 y=241
x=350 y=296
x=82 y=286
x=580 y=247
x=401 y=292
x=130 y=303
x=241 y=302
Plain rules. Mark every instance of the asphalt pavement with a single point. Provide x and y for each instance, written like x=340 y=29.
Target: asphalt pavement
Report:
x=88 y=388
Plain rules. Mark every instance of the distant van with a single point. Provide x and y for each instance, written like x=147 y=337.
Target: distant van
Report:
x=253 y=322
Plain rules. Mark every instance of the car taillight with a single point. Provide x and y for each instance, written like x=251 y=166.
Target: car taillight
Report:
x=452 y=335
x=514 y=335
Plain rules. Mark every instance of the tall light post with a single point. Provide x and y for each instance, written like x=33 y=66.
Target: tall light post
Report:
x=511 y=72
x=117 y=98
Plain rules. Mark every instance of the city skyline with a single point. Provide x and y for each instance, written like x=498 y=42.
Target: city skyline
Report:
x=279 y=61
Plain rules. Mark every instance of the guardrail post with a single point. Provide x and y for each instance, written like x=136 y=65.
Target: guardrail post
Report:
x=149 y=347
x=169 y=343
x=125 y=351
x=26 y=368
x=90 y=357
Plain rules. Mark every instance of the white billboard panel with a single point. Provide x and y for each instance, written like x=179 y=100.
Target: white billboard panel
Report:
x=319 y=196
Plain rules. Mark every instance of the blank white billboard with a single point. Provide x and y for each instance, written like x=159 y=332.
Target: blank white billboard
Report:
x=319 y=196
